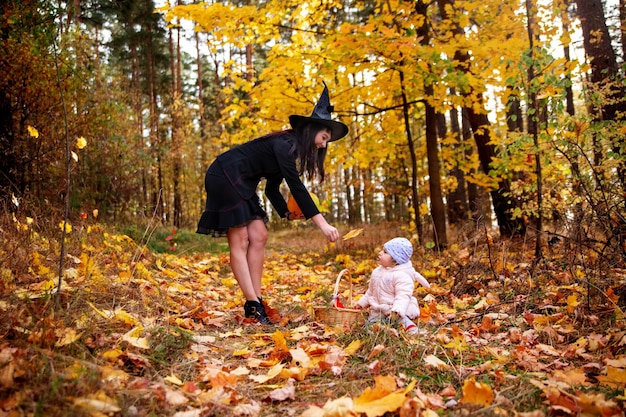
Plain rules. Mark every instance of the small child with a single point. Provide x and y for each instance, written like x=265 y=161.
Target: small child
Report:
x=390 y=290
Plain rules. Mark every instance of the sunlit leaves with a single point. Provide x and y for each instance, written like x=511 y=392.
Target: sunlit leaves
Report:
x=81 y=142
x=32 y=131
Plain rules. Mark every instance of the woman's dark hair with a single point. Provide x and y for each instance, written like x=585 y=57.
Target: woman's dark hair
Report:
x=309 y=158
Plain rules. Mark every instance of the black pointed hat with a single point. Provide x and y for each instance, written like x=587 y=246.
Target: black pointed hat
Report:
x=321 y=115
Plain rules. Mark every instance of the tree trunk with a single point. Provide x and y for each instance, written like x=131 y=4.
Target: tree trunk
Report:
x=437 y=208
x=155 y=140
x=202 y=121
x=409 y=137
x=622 y=26
x=479 y=123
x=7 y=161
x=502 y=204
x=604 y=71
x=532 y=123
x=456 y=199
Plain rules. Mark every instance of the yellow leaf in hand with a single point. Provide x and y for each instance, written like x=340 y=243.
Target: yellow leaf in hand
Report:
x=352 y=234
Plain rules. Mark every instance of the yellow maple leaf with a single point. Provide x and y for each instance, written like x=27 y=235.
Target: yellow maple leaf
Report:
x=133 y=337
x=458 y=343
x=98 y=403
x=125 y=317
x=386 y=404
x=173 y=379
x=572 y=303
x=383 y=398
x=68 y=227
x=477 y=393
x=272 y=373
x=32 y=131
x=353 y=347
x=66 y=336
x=279 y=341
x=241 y=352
x=81 y=142
x=615 y=377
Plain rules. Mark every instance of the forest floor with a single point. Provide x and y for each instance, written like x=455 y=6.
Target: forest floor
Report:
x=134 y=332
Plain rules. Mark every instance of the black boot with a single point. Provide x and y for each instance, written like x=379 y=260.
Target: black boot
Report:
x=262 y=306
x=255 y=310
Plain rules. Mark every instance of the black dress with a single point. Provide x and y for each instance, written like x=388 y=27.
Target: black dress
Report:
x=232 y=179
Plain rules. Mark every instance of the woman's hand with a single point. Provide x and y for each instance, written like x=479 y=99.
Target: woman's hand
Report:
x=331 y=233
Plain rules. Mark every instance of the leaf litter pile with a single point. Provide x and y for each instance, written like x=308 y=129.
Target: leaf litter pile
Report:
x=136 y=333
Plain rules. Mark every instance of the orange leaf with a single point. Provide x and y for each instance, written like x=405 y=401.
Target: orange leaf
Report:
x=280 y=342
x=477 y=393
x=377 y=349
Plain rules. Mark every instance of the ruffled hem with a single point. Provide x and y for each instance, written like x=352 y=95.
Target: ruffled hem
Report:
x=216 y=223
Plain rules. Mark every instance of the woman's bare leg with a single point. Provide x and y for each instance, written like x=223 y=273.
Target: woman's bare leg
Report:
x=238 y=243
x=257 y=238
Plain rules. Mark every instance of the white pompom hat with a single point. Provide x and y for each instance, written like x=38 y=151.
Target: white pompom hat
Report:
x=400 y=249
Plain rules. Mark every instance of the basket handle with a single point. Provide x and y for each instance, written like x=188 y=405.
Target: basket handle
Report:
x=336 y=290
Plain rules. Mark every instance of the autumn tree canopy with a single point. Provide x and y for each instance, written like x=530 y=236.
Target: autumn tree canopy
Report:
x=459 y=111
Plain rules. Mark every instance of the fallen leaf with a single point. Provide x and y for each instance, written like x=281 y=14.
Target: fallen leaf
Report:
x=477 y=393
x=249 y=410
x=173 y=379
x=287 y=392
x=615 y=377
x=375 y=351
x=271 y=374
x=435 y=362
x=375 y=367
x=98 y=402
x=377 y=408
x=133 y=337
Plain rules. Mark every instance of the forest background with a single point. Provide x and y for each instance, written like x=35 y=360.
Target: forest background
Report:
x=469 y=121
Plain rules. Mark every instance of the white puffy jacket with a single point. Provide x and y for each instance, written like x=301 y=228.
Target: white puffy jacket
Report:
x=391 y=290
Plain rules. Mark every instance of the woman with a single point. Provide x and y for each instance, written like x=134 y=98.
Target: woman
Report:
x=234 y=209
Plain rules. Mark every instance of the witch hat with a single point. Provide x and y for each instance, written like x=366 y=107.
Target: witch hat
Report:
x=321 y=115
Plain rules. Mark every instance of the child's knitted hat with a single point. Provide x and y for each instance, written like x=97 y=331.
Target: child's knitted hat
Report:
x=400 y=249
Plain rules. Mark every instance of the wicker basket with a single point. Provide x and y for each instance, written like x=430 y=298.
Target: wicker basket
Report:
x=334 y=315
